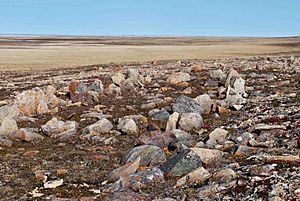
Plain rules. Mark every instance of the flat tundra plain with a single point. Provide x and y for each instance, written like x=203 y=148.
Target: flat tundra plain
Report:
x=40 y=53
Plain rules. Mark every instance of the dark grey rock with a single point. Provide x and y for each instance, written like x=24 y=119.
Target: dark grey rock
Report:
x=184 y=104
x=181 y=164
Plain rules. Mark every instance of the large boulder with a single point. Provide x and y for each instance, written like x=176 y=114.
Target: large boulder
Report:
x=37 y=102
x=32 y=102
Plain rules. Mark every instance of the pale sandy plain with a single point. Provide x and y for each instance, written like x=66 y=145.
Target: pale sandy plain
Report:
x=41 y=52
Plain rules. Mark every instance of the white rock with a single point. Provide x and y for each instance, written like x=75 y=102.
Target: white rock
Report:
x=190 y=121
x=205 y=101
x=118 y=78
x=172 y=122
x=128 y=126
x=100 y=127
x=178 y=77
x=197 y=176
x=56 y=128
x=8 y=126
x=54 y=183
x=219 y=135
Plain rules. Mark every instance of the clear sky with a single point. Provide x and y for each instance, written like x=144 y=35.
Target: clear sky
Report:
x=151 y=17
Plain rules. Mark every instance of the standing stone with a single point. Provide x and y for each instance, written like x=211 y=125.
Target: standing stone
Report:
x=172 y=122
x=205 y=102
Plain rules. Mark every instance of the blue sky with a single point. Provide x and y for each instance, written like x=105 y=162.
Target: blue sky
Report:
x=151 y=17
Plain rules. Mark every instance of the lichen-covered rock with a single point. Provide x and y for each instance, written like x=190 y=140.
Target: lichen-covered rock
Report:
x=148 y=154
x=190 y=121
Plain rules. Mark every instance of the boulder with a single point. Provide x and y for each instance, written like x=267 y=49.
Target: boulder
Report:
x=32 y=102
x=181 y=164
x=184 y=104
x=210 y=156
x=219 y=74
x=59 y=129
x=198 y=176
x=158 y=138
x=178 y=77
x=231 y=75
x=219 y=135
x=128 y=168
x=9 y=111
x=100 y=127
x=205 y=102
x=5 y=142
x=139 y=180
x=162 y=114
x=224 y=176
x=96 y=86
x=190 y=121
x=148 y=154
x=183 y=137
x=8 y=126
x=172 y=122
x=27 y=135
x=128 y=126
x=118 y=78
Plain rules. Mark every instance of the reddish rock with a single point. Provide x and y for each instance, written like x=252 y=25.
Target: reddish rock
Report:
x=157 y=138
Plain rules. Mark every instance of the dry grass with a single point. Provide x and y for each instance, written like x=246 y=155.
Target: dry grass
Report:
x=47 y=53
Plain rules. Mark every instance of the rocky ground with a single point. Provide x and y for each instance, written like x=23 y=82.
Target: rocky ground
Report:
x=187 y=130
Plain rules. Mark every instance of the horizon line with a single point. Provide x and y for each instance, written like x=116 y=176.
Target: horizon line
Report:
x=150 y=35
